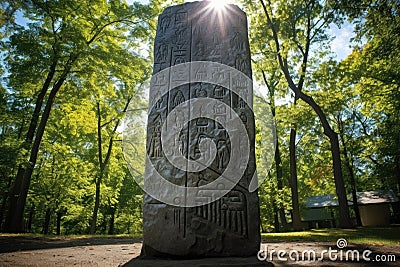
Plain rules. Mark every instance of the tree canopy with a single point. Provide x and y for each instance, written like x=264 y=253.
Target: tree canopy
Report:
x=70 y=69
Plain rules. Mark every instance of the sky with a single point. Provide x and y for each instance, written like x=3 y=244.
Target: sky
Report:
x=340 y=45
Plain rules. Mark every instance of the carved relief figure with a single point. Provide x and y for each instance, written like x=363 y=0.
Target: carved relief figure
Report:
x=237 y=42
x=181 y=18
x=216 y=48
x=220 y=115
x=179 y=98
x=160 y=103
x=182 y=143
x=219 y=92
x=222 y=154
x=199 y=91
x=240 y=63
x=241 y=103
x=181 y=36
x=199 y=48
x=162 y=53
x=155 y=148
x=164 y=24
x=179 y=60
x=197 y=152
x=202 y=125
x=179 y=119
x=243 y=117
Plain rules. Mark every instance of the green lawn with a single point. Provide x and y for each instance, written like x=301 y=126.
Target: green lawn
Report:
x=363 y=235
x=29 y=235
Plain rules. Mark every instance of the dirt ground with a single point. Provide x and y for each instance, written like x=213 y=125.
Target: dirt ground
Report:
x=64 y=251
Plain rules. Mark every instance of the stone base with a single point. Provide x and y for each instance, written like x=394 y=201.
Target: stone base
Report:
x=207 y=262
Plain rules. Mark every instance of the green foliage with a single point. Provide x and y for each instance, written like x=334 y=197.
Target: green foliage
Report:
x=96 y=52
x=101 y=52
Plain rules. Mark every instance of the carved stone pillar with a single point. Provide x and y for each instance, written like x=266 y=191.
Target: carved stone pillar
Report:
x=229 y=225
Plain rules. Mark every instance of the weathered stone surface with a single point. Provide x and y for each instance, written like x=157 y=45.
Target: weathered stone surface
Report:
x=230 y=225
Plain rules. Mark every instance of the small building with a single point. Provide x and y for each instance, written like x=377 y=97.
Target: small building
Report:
x=374 y=207
x=319 y=211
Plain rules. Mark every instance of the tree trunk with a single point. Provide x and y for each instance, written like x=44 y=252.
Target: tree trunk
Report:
x=293 y=182
x=46 y=223
x=397 y=171
x=344 y=215
x=96 y=205
x=101 y=167
x=112 y=220
x=279 y=176
x=23 y=179
x=102 y=163
x=14 y=218
x=3 y=208
x=276 y=219
x=4 y=202
x=59 y=217
x=30 y=219
x=351 y=174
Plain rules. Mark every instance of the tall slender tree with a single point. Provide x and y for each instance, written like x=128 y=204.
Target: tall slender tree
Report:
x=63 y=40
x=295 y=27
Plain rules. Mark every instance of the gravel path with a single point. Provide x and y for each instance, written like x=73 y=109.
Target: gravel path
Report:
x=25 y=251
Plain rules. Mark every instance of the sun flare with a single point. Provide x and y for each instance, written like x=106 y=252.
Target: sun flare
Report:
x=218 y=4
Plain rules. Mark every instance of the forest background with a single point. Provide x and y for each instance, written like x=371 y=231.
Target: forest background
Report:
x=71 y=68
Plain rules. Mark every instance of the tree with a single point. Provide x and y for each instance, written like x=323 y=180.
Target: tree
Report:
x=62 y=41
x=110 y=120
x=375 y=69
x=296 y=26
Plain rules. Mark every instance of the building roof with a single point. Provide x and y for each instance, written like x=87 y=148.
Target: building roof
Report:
x=376 y=197
x=322 y=201
x=363 y=198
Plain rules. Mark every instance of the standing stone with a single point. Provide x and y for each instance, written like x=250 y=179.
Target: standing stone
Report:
x=229 y=226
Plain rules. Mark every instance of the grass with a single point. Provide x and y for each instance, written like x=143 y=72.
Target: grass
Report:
x=122 y=236
x=389 y=236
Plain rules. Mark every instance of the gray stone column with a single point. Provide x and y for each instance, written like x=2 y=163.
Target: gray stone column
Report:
x=229 y=226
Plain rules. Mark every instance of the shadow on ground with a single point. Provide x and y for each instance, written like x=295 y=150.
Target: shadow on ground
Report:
x=24 y=243
x=208 y=262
